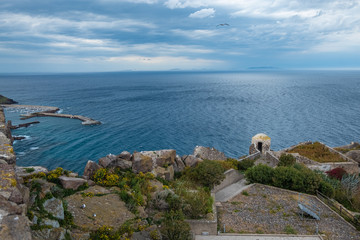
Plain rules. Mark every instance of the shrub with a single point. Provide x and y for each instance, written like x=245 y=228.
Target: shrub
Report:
x=229 y=163
x=260 y=174
x=105 y=178
x=286 y=160
x=246 y=164
x=336 y=173
x=288 y=178
x=174 y=227
x=326 y=189
x=208 y=173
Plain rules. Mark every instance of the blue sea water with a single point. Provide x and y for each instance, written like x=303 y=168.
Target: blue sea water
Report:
x=179 y=110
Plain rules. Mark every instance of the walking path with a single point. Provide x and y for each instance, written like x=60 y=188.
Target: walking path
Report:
x=45 y=111
x=258 y=237
x=231 y=191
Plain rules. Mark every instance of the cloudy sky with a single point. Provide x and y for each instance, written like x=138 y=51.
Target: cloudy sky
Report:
x=118 y=35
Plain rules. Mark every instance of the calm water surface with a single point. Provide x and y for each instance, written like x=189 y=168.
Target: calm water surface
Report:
x=150 y=111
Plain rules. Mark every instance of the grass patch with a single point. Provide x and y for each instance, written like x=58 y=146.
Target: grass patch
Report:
x=289 y=230
x=245 y=193
x=345 y=150
x=317 y=152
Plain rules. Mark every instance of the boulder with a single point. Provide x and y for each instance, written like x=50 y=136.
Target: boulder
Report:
x=55 y=207
x=125 y=155
x=165 y=173
x=16 y=196
x=179 y=165
x=208 y=153
x=46 y=234
x=9 y=208
x=142 y=163
x=191 y=160
x=90 y=169
x=28 y=171
x=52 y=223
x=354 y=155
x=71 y=182
x=15 y=227
x=113 y=161
x=46 y=187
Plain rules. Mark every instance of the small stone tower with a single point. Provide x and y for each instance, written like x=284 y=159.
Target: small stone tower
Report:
x=261 y=142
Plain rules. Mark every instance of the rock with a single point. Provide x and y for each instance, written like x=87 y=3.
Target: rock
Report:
x=179 y=165
x=145 y=161
x=354 y=154
x=208 y=153
x=106 y=161
x=15 y=227
x=71 y=182
x=191 y=160
x=28 y=171
x=47 y=234
x=142 y=163
x=165 y=173
x=55 y=207
x=52 y=223
x=8 y=180
x=112 y=161
x=125 y=155
x=74 y=175
x=91 y=168
x=109 y=210
x=16 y=196
x=9 y=208
x=91 y=183
x=3 y=161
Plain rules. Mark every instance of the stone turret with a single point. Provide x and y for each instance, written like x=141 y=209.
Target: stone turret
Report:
x=260 y=142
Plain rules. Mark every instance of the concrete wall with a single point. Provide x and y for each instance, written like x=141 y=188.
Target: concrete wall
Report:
x=205 y=225
x=231 y=176
x=271 y=158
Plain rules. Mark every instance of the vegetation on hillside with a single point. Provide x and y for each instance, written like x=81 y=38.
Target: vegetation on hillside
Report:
x=317 y=152
x=5 y=100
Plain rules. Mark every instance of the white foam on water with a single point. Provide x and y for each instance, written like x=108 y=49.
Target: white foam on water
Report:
x=34 y=148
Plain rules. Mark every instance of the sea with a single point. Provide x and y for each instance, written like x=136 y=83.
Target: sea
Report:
x=143 y=111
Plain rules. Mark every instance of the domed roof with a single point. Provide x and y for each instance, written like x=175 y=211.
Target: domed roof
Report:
x=261 y=136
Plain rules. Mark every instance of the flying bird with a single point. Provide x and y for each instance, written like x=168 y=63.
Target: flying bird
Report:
x=222 y=24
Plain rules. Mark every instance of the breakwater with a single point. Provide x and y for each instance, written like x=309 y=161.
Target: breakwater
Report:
x=47 y=111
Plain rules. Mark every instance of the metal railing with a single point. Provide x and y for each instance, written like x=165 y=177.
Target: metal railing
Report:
x=343 y=212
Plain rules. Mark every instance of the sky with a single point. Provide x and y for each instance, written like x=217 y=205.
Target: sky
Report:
x=163 y=35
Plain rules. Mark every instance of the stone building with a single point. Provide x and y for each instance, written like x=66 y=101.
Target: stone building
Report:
x=260 y=142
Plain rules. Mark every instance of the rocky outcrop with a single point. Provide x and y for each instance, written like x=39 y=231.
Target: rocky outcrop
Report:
x=14 y=224
x=71 y=182
x=191 y=160
x=179 y=165
x=28 y=171
x=5 y=100
x=208 y=153
x=161 y=163
x=122 y=161
x=90 y=169
x=55 y=207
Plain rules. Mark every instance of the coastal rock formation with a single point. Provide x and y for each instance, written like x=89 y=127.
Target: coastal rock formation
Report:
x=5 y=100
x=160 y=162
x=179 y=165
x=71 y=182
x=191 y=160
x=123 y=161
x=208 y=153
x=90 y=169
x=28 y=171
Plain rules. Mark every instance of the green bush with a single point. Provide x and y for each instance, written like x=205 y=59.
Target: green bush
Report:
x=260 y=174
x=174 y=227
x=326 y=189
x=286 y=160
x=246 y=164
x=207 y=173
x=288 y=178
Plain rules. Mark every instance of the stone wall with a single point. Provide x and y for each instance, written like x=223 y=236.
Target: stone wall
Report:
x=271 y=158
x=231 y=176
x=14 y=196
x=205 y=225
